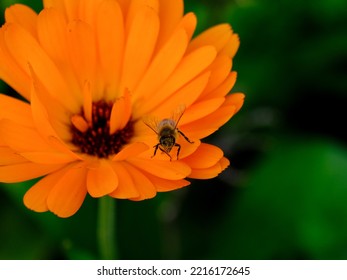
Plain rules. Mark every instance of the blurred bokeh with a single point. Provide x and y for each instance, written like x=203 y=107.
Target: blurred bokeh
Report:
x=285 y=193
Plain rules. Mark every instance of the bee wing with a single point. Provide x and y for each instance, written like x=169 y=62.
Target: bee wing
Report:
x=152 y=122
x=178 y=113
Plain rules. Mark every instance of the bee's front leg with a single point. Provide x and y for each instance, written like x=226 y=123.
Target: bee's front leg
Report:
x=185 y=137
x=156 y=149
x=166 y=152
x=178 y=149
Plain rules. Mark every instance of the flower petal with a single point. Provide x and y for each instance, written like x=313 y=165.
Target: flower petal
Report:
x=232 y=46
x=49 y=115
x=120 y=113
x=15 y=110
x=68 y=7
x=40 y=115
x=142 y=183
x=126 y=186
x=36 y=197
x=163 y=64
x=223 y=89
x=25 y=171
x=201 y=109
x=131 y=150
x=164 y=185
x=22 y=15
x=172 y=170
x=87 y=103
x=101 y=180
x=21 y=138
x=235 y=99
x=189 y=68
x=188 y=22
x=52 y=33
x=204 y=157
x=79 y=36
x=40 y=148
x=10 y=71
x=124 y=4
x=220 y=70
x=110 y=40
x=136 y=6
x=71 y=9
x=139 y=47
x=87 y=10
x=186 y=96
x=170 y=14
x=57 y=4
x=217 y=36
x=210 y=172
x=69 y=192
x=30 y=55
x=9 y=156
x=48 y=157
x=207 y=125
x=224 y=163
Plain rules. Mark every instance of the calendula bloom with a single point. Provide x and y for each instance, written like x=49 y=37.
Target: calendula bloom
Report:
x=90 y=71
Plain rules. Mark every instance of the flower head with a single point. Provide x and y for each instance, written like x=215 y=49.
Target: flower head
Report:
x=91 y=73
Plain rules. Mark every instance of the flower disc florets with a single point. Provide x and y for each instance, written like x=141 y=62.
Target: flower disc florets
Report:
x=96 y=140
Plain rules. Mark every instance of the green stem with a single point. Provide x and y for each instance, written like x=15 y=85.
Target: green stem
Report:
x=106 y=233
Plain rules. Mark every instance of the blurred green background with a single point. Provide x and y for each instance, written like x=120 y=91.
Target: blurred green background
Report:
x=285 y=194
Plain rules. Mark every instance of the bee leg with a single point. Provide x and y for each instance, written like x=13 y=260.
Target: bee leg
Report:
x=156 y=149
x=165 y=153
x=178 y=149
x=185 y=137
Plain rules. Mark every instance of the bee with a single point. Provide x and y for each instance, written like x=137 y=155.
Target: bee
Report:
x=167 y=132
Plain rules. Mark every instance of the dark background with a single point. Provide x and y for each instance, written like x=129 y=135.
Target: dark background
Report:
x=285 y=193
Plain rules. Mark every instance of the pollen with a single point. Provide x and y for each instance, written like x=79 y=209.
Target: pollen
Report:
x=94 y=138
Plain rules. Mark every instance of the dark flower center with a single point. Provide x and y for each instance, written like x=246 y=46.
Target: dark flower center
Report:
x=97 y=140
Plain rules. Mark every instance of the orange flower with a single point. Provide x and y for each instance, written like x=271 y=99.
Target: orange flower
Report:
x=90 y=71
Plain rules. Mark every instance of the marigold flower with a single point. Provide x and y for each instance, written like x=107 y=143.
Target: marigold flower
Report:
x=90 y=71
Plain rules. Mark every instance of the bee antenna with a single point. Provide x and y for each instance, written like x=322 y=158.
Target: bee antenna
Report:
x=149 y=122
x=182 y=109
x=150 y=127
